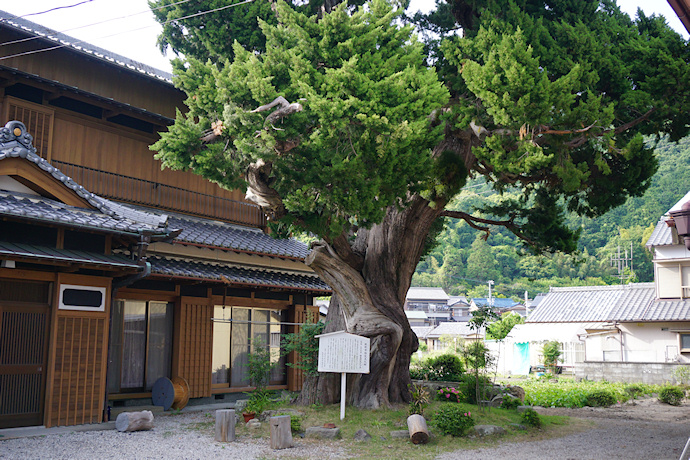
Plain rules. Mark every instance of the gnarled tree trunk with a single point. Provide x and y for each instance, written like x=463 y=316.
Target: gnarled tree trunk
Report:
x=370 y=278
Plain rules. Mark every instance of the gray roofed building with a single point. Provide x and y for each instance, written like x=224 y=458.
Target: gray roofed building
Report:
x=427 y=293
x=60 y=39
x=455 y=329
x=663 y=234
x=630 y=302
x=236 y=275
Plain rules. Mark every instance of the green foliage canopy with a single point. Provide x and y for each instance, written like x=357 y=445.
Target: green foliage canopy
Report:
x=548 y=102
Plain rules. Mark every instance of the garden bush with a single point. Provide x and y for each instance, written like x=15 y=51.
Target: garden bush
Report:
x=531 y=417
x=634 y=390
x=671 y=395
x=443 y=368
x=450 y=394
x=510 y=402
x=600 y=398
x=567 y=393
x=452 y=419
x=468 y=388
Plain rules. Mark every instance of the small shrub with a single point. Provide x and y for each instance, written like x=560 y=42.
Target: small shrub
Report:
x=469 y=388
x=671 y=395
x=600 y=398
x=452 y=419
x=448 y=367
x=682 y=374
x=531 y=417
x=295 y=423
x=420 y=399
x=450 y=394
x=634 y=390
x=510 y=403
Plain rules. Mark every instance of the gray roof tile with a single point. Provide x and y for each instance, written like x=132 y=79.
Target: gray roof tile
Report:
x=630 y=302
x=661 y=236
x=42 y=253
x=236 y=274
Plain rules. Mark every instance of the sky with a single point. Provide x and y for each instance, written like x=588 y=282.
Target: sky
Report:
x=131 y=31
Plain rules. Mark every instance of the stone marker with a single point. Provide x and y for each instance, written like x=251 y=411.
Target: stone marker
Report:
x=362 y=435
x=489 y=430
x=319 y=432
x=281 y=435
x=134 y=421
x=225 y=425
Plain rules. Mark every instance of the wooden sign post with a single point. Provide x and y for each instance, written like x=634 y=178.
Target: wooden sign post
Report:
x=344 y=353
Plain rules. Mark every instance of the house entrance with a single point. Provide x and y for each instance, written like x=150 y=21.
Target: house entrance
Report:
x=24 y=317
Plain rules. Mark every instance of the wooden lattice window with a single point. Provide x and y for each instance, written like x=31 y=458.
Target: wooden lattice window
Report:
x=38 y=120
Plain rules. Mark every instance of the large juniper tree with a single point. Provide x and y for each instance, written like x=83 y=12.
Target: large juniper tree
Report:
x=340 y=128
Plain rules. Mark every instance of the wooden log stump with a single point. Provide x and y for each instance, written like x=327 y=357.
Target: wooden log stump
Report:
x=281 y=435
x=416 y=425
x=134 y=421
x=225 y=425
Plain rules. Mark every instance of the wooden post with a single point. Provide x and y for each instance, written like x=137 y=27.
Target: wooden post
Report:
x=281 y=434
x=134 y=421
x=225 y=425
x=416 y=425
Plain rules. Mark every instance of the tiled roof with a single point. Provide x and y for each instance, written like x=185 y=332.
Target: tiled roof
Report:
x=107 y=215
x=669 y=310
x=661 y=236
x=415 y=314
x=422 y=331
x=38 y=208
x=427 y=293
x=454 y=328
x=182 y=268
x=43 y=253
x=630 y=302
x=82 y=47
x=222 y=235
x=457 y=301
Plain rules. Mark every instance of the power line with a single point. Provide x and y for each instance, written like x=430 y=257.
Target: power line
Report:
x=126 y=31
x=55 y=9
x=28 y=39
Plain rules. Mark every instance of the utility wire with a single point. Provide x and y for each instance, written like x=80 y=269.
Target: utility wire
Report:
x=125 y=32
x=55 y=9
x=28 y=39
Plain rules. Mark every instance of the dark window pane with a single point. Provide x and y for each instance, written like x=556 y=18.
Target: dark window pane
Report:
x=82 y=298
x=240 y=347
x=160 y=342
x=685 y=341
x=134 y=345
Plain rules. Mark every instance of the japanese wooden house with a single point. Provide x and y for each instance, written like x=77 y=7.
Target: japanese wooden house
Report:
x=113 y=271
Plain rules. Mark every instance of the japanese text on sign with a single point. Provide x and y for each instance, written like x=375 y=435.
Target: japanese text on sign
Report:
x=343 y=352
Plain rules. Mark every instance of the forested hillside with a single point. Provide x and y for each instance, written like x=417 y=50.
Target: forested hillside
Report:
x=462 y=262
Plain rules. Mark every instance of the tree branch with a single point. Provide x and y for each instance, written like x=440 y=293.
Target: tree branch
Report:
x=259 y=191
x=474 y=222
x=285 y=109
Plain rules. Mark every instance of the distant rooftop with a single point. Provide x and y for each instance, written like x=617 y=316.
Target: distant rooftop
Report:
x=427 y=293
x=79 y=46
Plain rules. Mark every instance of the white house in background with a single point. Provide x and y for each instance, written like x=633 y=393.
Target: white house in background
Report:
x=454 y=332
x=635 y=332
x=431 y=300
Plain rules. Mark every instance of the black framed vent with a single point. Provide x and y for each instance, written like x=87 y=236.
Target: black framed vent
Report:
x=87 y=298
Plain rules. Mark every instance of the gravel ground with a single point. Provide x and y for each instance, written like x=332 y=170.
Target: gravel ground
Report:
x=644 y=431
x=173 y=437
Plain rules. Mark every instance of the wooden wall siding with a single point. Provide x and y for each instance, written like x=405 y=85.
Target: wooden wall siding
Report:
x=149 y=193
x=92 y=75
x=79 y=369
x=37 y=119
x=98 y=156
x=193 y=345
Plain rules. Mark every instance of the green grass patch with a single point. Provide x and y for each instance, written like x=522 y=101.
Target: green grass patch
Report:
x=568 y=393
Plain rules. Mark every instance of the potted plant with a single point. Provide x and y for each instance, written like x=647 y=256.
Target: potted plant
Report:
x=260 y=366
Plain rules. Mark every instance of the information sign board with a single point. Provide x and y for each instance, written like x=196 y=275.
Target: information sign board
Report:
x=343 y=352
